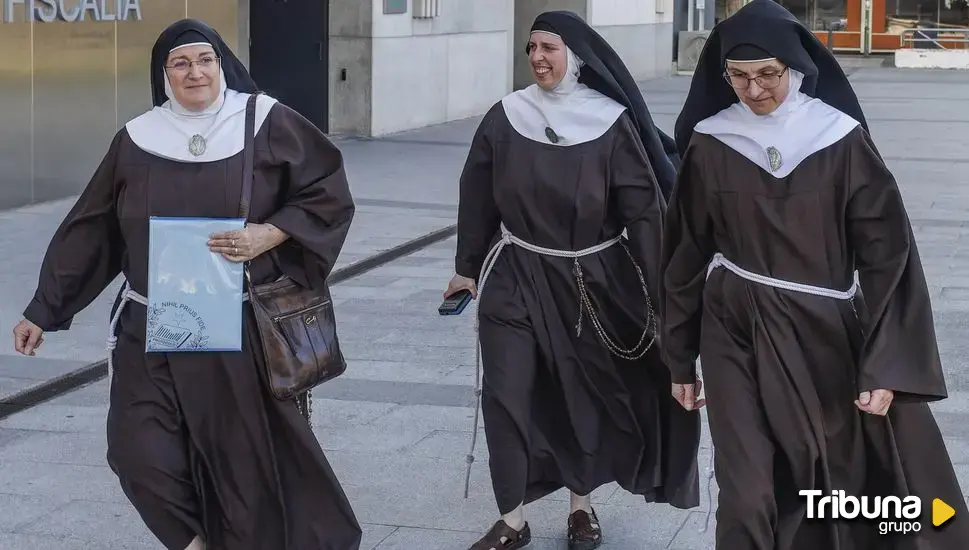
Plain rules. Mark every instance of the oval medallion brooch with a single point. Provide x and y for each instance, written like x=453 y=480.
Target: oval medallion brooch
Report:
x=551 y=135
x=774 y=158
x=196 y=145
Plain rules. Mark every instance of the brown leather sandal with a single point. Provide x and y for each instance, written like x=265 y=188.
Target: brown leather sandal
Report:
x=584 y=531
x=514 y=539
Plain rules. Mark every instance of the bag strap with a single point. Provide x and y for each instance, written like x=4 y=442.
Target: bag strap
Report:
x=247 y=156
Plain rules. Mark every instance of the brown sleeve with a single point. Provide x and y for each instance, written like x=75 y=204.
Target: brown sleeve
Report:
x=900 y=351
x=317 y=209
x=478 y=217
x=687 y=249
x=638 y=201
x=84 y=255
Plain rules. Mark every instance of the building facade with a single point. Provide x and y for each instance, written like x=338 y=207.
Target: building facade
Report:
x=402 y=64
x=71 y=74
x=75 y=71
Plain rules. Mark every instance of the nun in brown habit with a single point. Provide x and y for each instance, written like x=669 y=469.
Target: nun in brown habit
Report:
x=574 y=394
x=815 y=379
x=202 y=450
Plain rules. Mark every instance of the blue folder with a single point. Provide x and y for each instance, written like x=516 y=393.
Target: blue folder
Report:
x=194 y=294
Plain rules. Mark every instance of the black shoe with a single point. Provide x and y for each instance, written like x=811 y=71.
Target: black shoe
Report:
x=584 y=531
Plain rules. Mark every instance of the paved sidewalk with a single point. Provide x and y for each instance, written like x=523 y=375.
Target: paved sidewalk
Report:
x=396 y=427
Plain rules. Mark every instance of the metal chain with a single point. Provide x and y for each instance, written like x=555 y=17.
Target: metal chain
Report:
x=304 y=404
x=309 y=407
x=585 y=303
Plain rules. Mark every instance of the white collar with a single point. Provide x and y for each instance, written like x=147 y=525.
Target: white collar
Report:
x=575 y=113
x=165 y=131
x=798 y=128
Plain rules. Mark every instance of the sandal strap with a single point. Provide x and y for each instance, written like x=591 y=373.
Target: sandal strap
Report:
x=492 y=538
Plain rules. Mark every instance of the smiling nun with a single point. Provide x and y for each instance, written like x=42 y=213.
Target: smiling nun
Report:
x=204 y=452
x=574 y=394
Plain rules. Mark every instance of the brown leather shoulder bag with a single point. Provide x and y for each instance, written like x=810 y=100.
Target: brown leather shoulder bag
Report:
x=296 y=325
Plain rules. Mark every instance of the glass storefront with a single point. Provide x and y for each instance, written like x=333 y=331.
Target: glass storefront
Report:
x=888 y=26
x=929 y=13
x=70 y=79
x=943 y=23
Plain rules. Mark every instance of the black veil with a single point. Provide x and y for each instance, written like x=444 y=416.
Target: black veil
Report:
x=768 y=26
x=189 y=30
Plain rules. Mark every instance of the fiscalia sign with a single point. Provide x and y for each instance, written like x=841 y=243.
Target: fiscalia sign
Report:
x=894 y=514
x=70 y=11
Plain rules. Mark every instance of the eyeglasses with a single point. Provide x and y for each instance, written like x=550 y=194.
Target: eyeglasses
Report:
x=765 y=81
x=184 y=65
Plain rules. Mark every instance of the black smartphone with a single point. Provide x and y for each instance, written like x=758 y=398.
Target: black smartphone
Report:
x=455 y=303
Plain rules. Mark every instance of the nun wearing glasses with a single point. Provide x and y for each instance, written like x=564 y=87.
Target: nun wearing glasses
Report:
x=207 y=456
x=559 y=228
x=816 y=381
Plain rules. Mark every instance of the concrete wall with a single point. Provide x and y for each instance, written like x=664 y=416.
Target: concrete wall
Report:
x=404 y=73
x=428 y=71
x=932 y=59
x=641 y=32
x=351 y=54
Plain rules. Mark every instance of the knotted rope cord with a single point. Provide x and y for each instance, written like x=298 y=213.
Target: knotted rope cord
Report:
x=130 y=295
x=127 y=294
x=709 y=475
x=489 y=263
x=719 y=260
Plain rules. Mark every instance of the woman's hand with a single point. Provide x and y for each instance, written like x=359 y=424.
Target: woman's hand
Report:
x=460 y=282
x=876 y=402
x=27 y=337
x=244 y=245
x=686 y=395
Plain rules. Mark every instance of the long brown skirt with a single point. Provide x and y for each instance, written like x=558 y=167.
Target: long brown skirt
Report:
x=202 y=448
x=779 y=372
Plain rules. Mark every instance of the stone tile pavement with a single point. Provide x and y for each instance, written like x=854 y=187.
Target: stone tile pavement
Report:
x=396 y=429
x=397 y=425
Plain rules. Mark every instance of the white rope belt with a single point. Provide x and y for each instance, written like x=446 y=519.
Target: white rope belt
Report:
x=128 y=295
x=489 y=262
x=719 y=260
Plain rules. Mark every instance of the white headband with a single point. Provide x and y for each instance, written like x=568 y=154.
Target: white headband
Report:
x=752 y=60
x=190 y=44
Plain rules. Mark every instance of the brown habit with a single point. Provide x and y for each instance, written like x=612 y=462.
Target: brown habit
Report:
x=196 y=440
x=560 y=410
x=782 y=369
